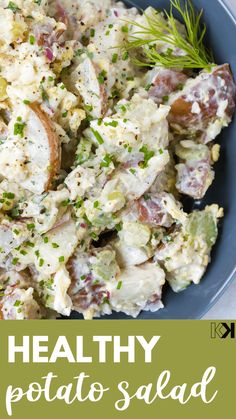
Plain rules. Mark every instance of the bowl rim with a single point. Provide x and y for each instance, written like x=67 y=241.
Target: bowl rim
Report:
x=230 y=279
x=228 y=9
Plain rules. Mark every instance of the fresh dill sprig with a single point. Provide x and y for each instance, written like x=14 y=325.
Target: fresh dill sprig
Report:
x=185 y=48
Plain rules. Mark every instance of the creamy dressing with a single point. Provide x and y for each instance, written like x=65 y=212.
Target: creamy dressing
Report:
x=95 y=155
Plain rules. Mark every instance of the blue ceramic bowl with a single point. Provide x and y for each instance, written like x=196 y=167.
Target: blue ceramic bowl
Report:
x=194 y=302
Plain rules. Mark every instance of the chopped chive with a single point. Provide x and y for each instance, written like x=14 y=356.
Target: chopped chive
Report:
x=123 y=108
x=15 y=261
x=118 y=227
x=165 y=99
x=12 y=6
x=107 y=159
x=23 y=252
x=79 y=203
x=148 y=154
x=88 y=108
x=114 y=58
x=125 y=56
x=125 y=29
x=148 y=86
x=32 y=40
x=29 y=244
x=19 y=128
x=94 y=236
x=37 y=253
x=92 y=32
x=65 y=203
x=79 y=52
x=97 y=136
x=111 y=124
x=119 y=285
x=30 y=226
x=102 y=76
x=41 y=262
x=96 y=204
x=8 y=195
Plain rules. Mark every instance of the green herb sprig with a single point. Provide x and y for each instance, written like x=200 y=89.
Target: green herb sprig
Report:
x=158 y=30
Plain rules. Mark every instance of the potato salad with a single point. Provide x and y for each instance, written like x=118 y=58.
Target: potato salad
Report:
x=108 y=119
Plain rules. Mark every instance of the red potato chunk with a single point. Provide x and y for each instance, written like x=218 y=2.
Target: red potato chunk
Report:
x=194 y=173
x=151 y=211
x=194 y=178
x=61 y=14
x=19 y=304
x=34 y=160
x=46 y=35
x=209 y=98
x=90 y=273
x=156 y=209
x=165 y=82
x=52 y=142
x=90 y=295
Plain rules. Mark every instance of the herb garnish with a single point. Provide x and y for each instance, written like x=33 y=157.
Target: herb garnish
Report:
x=195 y=54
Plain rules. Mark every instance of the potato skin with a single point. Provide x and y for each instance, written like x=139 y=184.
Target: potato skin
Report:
x=53 y=142
x=166 y=82
x=91 y=294
x=208 y=91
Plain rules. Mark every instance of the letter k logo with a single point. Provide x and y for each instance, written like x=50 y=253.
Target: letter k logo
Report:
x=222 y=330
